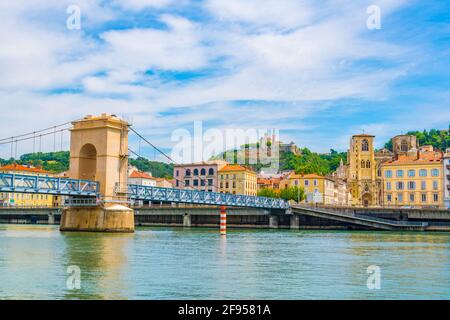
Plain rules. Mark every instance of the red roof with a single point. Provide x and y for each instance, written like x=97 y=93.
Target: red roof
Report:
x=141 y=175
x=20 y=167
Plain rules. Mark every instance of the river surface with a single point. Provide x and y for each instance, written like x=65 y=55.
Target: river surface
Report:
x=39 y=262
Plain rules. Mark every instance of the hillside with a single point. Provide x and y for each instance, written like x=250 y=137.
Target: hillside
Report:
x=306 y=162
x=439 y=139
x=59 y=162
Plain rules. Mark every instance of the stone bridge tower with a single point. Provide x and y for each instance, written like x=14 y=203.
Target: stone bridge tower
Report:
x=99 y=152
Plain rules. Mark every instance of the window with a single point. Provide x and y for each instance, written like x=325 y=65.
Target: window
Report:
x=227 y=185
x=195 y=172
x=388 y=186
x=411 y=185
x=188 y=172
x=424 y=197
x=177 y=183
x=389 y=198
x=388 y=174
x=365 y=145
x=210 y=182
x=203 y=182
x=435 y=197
x=211 y=171
x=203 y=172
x=411 y=173
x=363 y=164
x=177 y=173
x=400 y=185
x=411 y=197
x=423 y=172
x=435 y=173
x=316 y=183
x=234 y=184
x=399 y=173
x=221 y=184
x=435 y=185
x=368 y=164
x=400 y=197
x=306 y=183
x=186 y=183
x=195 y=182
x=404 y=146
x=423 y=185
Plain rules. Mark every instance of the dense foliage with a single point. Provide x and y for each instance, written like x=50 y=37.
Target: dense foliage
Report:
x=51 y=161
x=439 y=139
x=59 y=162
x=158 y=169
x=290 y=193
x=311 y=162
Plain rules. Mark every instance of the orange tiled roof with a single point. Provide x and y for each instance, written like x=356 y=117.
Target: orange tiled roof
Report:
x=234 y=167
x=430 y=157
x=20 y=167
x=141 y=175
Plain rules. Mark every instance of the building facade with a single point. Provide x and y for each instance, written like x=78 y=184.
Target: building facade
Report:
x=414 y=179
x=237 y=179
x=199 y=176
x=446 y=174
x=141 y=179
x=362 y=171
x=318 y=189
x=27 y=199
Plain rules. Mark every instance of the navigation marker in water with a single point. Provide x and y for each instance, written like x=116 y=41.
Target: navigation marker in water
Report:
x=223 y=221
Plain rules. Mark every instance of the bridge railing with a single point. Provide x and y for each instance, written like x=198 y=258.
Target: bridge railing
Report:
x=47 y=185
x=139 y=192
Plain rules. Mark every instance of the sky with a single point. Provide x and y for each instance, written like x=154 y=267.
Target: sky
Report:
x=311 y=69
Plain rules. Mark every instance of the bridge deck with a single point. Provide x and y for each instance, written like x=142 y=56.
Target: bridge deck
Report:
x=377 y=223
x=47 y=185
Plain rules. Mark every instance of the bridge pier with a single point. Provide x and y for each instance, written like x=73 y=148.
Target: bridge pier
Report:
x=295 y=222
x=273 y=222
x=51 y=218
x=99 y=152
x=187 y=220
x=116 y=218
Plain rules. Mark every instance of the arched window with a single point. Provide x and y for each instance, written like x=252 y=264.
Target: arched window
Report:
x=188 y=172
x=211 y=171
x=195 y=172
x=365 y=145
x=368 y=164
x=203 y=172
x=363 y=164
x=404 y=146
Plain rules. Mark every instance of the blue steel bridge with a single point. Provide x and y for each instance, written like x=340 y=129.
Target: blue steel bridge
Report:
x=90 y=189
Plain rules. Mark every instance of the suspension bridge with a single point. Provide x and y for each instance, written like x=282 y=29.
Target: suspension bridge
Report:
x=98 y=173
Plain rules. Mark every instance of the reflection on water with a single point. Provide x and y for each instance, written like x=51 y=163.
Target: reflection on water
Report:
x=177 y=263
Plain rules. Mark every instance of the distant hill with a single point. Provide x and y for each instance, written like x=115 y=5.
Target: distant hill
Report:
x=304 y=163
x=59 y=162
x=439 y=139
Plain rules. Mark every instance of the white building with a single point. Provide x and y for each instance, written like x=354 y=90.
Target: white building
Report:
x=142 y=179
x=446 y=164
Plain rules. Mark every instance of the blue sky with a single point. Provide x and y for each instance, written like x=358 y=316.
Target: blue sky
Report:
x=311 y=69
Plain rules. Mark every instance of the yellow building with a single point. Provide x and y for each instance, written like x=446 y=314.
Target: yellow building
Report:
x=414 y=179
x=237 y=179
x=318 y=189
x=26 y=199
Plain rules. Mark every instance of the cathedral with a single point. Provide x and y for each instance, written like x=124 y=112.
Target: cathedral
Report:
x=364 y=175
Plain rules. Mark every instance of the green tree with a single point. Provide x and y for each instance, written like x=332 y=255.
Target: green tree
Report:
x=293 y=193
x=268 y=192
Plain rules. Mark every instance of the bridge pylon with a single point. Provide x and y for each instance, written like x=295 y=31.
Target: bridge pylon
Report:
x=99 y=152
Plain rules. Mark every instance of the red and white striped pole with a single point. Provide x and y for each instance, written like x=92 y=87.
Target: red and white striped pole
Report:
x=223 y=221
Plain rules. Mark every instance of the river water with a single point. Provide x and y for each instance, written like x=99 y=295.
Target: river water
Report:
x=38 y=262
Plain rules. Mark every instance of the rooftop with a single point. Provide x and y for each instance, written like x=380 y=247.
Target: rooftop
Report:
x=20 y=167
x=141 y=175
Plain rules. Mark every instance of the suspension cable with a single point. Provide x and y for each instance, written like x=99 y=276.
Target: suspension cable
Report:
x=34 y=132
